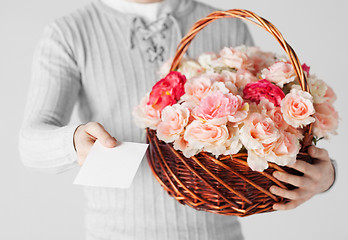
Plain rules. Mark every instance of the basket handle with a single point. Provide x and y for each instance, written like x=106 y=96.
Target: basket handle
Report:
x=259 y=21
x=248 y=16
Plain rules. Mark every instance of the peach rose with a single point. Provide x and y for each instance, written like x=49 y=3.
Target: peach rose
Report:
x=282 y=152
x=145 y=115
x=227 y=78
x=326 y=120
x=256 y=162
x=260 y=59
x=233 y=143
x=285 y=149
x=268 y=109
x=279 y=73
x=297 y=108
x=196 y=88
x=182 y=145
x=243 y=77
x=234 y=58
x=207 y=137
x=257 y=131
x=174 y=120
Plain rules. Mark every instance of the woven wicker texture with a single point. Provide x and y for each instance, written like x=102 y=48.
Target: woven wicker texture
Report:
x=225 y=185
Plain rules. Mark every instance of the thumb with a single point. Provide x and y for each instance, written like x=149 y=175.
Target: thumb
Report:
x=98 y=131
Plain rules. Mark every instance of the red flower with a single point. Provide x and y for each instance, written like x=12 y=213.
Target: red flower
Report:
x=167 y=91
x=306 y=68
x=263 y=89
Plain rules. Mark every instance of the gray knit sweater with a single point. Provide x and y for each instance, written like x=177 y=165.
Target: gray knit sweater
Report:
x=105 y=61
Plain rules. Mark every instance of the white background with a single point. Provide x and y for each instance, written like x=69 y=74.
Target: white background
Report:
x=47 y=207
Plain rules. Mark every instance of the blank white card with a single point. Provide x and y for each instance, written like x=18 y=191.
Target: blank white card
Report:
x=111 y=167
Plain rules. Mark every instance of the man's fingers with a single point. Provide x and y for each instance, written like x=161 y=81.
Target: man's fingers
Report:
x=98 y=131
x=287 y=206
x=289 y=194
x=302 y=166
x=298 y=181
x=318 y=153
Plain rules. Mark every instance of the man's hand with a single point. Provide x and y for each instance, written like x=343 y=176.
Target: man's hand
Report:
x=317 y=178
x=85 y=136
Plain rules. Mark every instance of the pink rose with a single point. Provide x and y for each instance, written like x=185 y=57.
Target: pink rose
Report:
x=207 y=137
x=234 y=58
x=279 y=73
x=174 y=120
x=297 y=108
x=326 y=120
x=257 y=131
x=218 y=108
x=167 y=91
x=145 y=115
x=263 y=89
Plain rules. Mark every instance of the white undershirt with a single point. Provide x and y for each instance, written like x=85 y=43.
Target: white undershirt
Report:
x=149 y=11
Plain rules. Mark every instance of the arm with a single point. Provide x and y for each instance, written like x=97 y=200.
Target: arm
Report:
x=45 y=139
x=46 y=142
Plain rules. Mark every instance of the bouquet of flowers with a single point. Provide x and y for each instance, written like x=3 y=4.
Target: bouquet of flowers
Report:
x=239 y=100
x=219 y=125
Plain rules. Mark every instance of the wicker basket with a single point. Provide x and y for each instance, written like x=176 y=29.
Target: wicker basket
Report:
x=225 y=185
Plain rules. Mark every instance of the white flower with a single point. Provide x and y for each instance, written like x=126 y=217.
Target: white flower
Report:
x=318 y=89
x=206 y=60
x=190 y=68
x=256 y=162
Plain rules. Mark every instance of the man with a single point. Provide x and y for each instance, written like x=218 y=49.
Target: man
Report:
x=105 y=58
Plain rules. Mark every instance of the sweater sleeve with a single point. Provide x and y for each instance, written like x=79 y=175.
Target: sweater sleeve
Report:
x=45 y=138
